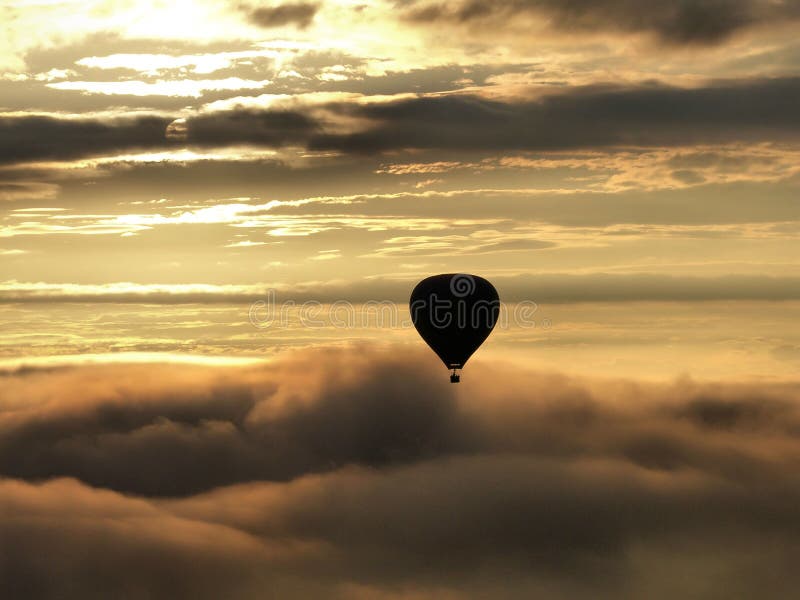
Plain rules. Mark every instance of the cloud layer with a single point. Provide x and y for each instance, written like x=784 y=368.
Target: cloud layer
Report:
x=552 y=288
x=361 y=473
x=590 y=117
x=686 y=22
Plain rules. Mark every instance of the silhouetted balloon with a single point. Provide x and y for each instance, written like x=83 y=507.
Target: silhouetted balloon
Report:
x=454 y=313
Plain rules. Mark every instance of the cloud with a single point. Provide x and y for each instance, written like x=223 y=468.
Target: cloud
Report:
x=32 y=138
x=218 y=432
x=599 y=117
x=687 y=22
x=606 y=287
x=83 y=538
x=27 y=190
x=275 y=128
x=361 y=472
x=543 y=288
x=194 y=88
x=299 y=14
x=586 y=117
x=581 y=118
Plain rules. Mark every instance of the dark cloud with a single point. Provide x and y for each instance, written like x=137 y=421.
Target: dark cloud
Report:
x=220 y=432
x=50 y=138
x=588 y=117
x=684 y=22
x=275 y=128
x=25 y=139
x=362 y=474
x=75 y=542
x=299 y=14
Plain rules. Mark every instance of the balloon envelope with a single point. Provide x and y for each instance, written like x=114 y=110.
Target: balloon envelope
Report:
x=454 y=313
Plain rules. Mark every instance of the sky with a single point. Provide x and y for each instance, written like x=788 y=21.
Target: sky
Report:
x=212 y=215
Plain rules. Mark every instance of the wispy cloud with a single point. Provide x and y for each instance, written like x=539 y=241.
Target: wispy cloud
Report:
x=544 y=287
x=193 y=88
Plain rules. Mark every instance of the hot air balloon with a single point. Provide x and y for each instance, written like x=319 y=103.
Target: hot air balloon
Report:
x=454 y=313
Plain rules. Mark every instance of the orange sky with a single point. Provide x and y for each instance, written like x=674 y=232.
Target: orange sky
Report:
x=597 y=152
x=625 y=173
